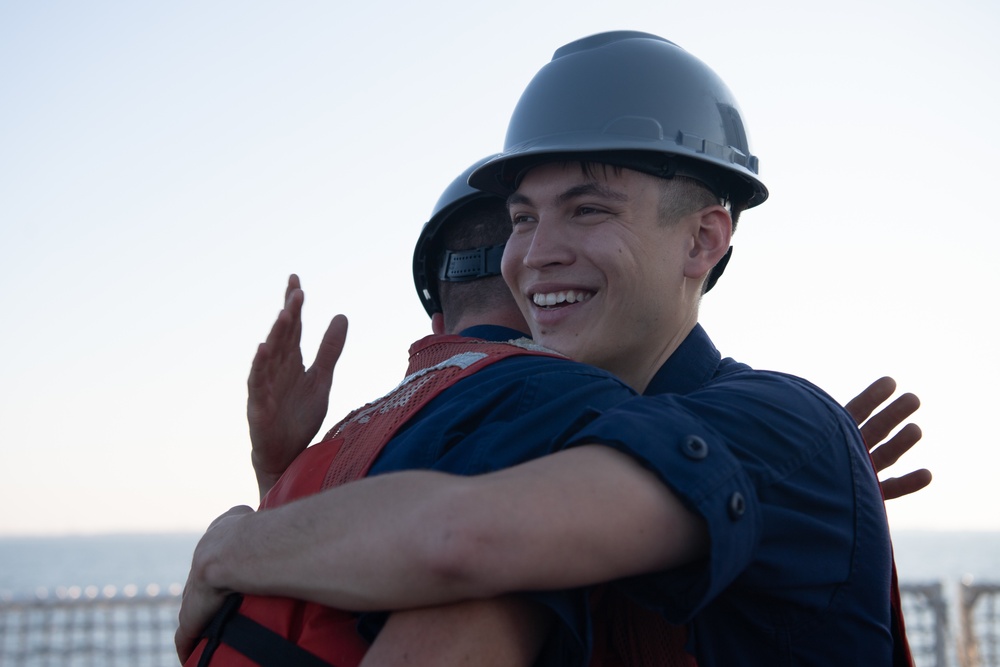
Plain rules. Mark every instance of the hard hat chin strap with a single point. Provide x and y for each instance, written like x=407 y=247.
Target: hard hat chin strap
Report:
x=465 y=265
x=720 y=266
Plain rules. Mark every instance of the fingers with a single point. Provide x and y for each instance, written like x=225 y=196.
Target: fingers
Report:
x=184 y=644
x=238 y=510
x=897 y=487
x=283 y=338
x=289 y=317
x=269 y=355
x=286 y=333
x=878 y=427
x=279 y=334
x=257 y=381
x=330 y=348
x=184 y=641
x=877 y=393
x=293 y=284
x=889 y=452
x=293 y=306
x=200 y=600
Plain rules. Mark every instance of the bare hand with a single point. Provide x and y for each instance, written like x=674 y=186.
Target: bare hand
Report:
x=201 y=601
x=286 y=403
x=878 y=427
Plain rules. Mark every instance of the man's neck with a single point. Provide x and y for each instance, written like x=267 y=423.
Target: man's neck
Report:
x=639 y=375
x=499 y=318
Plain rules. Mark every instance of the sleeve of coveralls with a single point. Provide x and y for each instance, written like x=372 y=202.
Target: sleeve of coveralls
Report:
x=690 y=457
x=754 y=453
x=501 y=423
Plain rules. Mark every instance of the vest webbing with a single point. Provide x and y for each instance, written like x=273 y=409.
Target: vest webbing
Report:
x=436 y=363
x=284 y=629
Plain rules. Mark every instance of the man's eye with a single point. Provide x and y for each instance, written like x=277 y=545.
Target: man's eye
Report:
x=588 y=210
x=518 y=218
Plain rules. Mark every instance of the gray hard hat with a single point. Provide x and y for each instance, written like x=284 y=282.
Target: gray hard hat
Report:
x=635 y=100
x=433 y=263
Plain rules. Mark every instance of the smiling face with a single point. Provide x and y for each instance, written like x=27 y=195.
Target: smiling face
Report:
x=599 y=276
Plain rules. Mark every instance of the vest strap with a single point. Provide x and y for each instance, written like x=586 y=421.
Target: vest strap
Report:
x=255 y=641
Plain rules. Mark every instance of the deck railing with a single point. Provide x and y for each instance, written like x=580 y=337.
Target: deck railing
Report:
x=88 y=627
x=93 y=627
x=979 y=621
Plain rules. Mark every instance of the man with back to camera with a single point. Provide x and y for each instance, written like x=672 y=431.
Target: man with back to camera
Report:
x=550 y=253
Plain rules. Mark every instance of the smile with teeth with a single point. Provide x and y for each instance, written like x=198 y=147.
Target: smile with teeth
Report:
x=560 y=298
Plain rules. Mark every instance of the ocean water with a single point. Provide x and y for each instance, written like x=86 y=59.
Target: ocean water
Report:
x=923 y=557
x=30 y=564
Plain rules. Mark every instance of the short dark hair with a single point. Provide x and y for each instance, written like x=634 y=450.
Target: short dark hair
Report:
x=481 y=223
x=680 y=196
x=686 y=195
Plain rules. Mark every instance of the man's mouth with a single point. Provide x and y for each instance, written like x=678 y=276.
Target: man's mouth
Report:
x=559 y=299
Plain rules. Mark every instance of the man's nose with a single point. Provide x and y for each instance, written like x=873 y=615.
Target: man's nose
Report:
x=549 y=245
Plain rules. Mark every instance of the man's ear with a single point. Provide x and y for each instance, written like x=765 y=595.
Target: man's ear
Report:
x=437 y=323
x=710 y=240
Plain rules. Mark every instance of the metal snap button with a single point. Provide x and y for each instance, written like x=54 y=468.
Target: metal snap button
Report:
x=694 y=448
x=737 y=506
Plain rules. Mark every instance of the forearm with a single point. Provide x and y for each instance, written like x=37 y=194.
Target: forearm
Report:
x=423 y=538
x=506 y=632
x=265 y=479
x=359 y=546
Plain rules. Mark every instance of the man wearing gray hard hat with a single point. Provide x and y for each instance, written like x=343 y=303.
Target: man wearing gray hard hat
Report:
x=747 y=494
x=626 y=166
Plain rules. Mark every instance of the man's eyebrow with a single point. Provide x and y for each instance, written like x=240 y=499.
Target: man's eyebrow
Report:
x=590 y=188
x=517 y=198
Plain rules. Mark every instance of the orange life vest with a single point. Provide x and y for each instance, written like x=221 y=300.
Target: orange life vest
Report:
x=625 y=634
x=259 y=630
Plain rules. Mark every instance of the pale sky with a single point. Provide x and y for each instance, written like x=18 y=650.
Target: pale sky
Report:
x=165 y=166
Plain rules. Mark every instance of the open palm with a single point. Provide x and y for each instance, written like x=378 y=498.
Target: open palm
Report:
x=287 y=403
